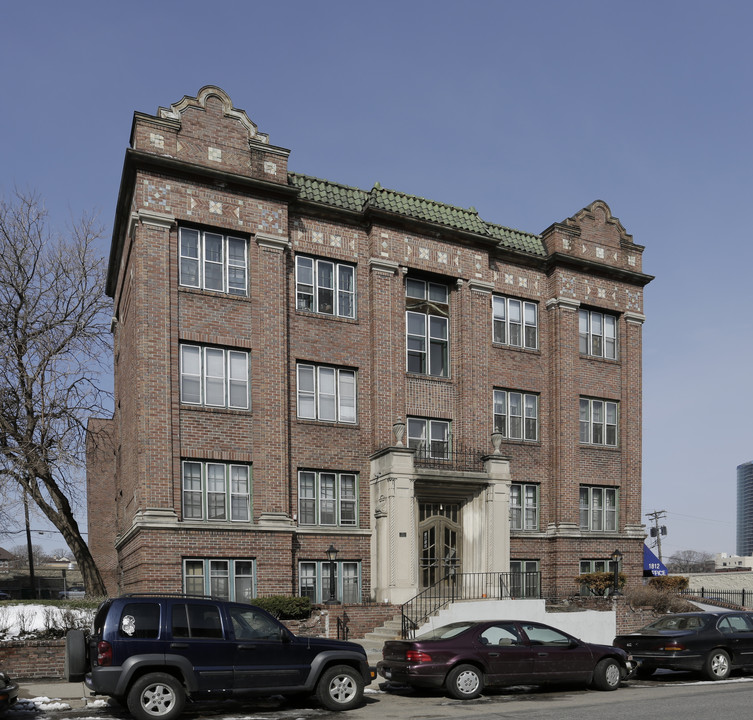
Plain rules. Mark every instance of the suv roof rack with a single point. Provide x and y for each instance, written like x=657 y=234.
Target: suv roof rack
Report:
x=159 y=593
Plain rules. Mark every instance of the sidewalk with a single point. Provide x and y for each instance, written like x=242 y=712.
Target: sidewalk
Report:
x=48 y=693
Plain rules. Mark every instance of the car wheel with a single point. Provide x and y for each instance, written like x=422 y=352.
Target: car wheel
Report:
x=74 y=665
x=607 y=674
x=465 y=682
x=717 y=665
x=340 y=688
x=156 y=695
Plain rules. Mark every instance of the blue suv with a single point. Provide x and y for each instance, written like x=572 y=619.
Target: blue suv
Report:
x=154 y=652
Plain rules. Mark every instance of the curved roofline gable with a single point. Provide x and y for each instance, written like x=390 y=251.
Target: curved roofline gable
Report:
x=175 y=111
x=600 y=213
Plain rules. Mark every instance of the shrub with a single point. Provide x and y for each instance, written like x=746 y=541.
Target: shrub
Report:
x=670 y=583
x=661 y=600
x=285 y=607
x=601 y=583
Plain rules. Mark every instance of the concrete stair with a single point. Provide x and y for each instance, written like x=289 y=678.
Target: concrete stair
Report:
x=374 y=640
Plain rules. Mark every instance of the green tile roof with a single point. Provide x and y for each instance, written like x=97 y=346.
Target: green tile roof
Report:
x=466 y=220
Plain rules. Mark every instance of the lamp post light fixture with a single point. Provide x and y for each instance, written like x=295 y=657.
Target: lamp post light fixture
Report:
x=616 y=557
x=331 y=553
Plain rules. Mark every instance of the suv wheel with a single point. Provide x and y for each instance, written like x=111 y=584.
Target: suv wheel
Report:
x=156 y=695
x=340 y=688
x=74 y=666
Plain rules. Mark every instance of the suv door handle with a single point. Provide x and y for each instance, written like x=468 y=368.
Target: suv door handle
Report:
x=179 y=645
x=246 y=646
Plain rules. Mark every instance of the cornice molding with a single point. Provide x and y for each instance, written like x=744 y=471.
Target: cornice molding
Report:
x=273 y=242
x=564 y=303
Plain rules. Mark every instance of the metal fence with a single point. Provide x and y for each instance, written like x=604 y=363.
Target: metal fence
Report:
x=467 y=586
x=730 y=597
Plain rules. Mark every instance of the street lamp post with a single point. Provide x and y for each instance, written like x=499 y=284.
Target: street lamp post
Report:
x=332 y=556
x=616 y=557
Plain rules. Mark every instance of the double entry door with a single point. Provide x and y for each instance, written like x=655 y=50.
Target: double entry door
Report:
x=440 y=538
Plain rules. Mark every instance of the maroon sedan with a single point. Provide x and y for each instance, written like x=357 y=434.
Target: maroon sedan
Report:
x=465 y=657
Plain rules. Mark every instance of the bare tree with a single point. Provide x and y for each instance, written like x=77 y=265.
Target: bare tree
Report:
x=689 y=561
x=54 y=348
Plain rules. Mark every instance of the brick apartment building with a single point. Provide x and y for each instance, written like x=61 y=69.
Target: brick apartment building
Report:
x=301 y=365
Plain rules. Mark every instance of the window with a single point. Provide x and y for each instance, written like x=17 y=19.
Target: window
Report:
x=211 y=261
x=216 y=491
x=516 y=415
x=326 y=287
x=326 y=393
x=214 y=377
x=140 y=621
x=525 y=579
x=314 y=581
x=593 y=566
x=598 y=508
x=426 y=326
x=524 y=507
x=515 y=322
x=431 y=438
x=223 y=579
x=327 y=498
x=598 y=334
x=598 y=422
x=587 y=567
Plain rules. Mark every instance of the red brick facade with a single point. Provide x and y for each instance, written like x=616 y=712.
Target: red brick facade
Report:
x=202 y=164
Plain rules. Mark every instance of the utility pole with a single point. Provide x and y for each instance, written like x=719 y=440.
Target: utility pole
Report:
x=29 y=549
x=657 y=530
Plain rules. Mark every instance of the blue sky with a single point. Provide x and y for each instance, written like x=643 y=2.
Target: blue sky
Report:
x=526 y=110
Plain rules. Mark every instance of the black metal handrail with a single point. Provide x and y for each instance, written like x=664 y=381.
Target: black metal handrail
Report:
x=466 y=586
x=343 y=631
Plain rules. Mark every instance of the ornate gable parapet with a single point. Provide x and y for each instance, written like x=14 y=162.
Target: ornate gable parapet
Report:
x=176 y=110
x=207 y=130
x=594 y=236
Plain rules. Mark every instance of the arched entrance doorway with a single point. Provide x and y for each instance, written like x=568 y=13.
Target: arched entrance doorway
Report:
x=441 y=541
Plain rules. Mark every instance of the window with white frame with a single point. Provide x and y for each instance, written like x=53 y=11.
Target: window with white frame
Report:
x=214 y=377
x=326 y=393
x=597 y=334
x=515 y=322
x=226 y=579
x=211 y=261
x=324 y=286
x=524 y=507
x=598 y=508
x=427 y=328
x=525 y=579
x=327 y=498
x=314 y=581
x=431 y=438
x=216 y=491
x=598 y=422
x=516 y=415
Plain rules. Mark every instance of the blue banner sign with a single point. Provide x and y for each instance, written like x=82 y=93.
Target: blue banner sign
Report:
x=652 y=566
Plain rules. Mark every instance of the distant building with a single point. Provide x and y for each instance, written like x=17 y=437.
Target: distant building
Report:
x=300 y=365
x=5 y=560
x=723 y=561
x=745 y=508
